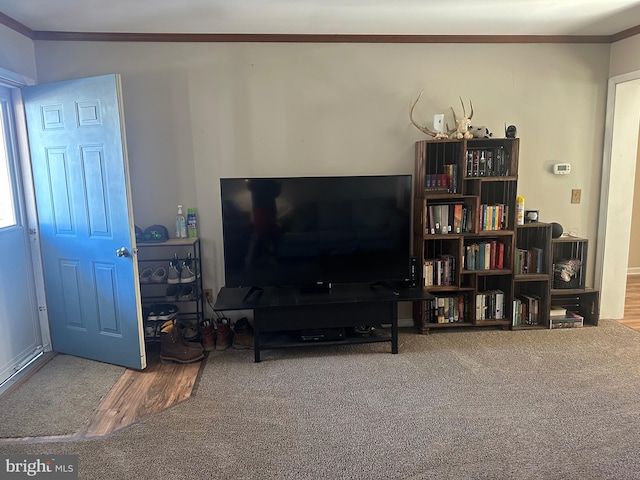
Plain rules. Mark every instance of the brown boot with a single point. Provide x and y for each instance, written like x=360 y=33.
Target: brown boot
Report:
x=208 y=335
x=174 y=349
x=242 y=334
x=223 y=334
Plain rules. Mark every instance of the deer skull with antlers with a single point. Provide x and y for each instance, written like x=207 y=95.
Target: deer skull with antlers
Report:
x=462 y=125
x=436 y=135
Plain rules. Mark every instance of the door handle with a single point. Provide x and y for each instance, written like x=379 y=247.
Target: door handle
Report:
x=122 y=252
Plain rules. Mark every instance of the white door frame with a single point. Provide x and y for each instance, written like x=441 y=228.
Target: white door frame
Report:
x=622 y=123
x=15 y=82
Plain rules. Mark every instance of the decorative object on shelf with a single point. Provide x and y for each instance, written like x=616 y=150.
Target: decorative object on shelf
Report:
x=566 y=273
x=480 y=132
x=556 y=230
x=511 y=131
x=531 y=216
x=434 y=134
x=462 y=124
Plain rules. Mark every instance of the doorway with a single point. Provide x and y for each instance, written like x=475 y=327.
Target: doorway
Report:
x=23 y=339
x=616 y=197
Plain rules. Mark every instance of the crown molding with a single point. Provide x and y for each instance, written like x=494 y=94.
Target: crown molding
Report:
x=629 y=32
x=7 y=21
x=311 y=38
x=305 y=38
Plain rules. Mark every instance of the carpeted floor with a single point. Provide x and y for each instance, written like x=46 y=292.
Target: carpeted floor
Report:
x=58 y=399
x=484 y=404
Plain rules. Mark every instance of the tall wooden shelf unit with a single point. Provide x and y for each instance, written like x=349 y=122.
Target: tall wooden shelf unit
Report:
x=465 y=199
x=465 y=204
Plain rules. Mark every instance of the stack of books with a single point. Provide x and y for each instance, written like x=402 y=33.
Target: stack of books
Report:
x=563 y=318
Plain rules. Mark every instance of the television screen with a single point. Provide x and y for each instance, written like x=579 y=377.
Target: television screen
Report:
x=299 y=231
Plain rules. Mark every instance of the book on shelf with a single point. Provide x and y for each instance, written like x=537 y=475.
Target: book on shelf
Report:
x=445 y=218
x=570 y=320
x=530 y=308
x=486 y=162
x=447 y=309
x=487 y=255
x=557 y=312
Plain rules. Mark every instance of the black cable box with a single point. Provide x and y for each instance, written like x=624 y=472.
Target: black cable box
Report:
x=323 y=334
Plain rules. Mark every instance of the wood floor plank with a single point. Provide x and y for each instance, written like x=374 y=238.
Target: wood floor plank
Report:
x=138 y=394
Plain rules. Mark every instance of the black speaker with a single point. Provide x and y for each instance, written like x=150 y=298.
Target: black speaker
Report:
x=556 y=230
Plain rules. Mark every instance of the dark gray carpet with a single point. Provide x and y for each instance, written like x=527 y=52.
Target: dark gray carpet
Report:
x=484 y=404
x=58 y=399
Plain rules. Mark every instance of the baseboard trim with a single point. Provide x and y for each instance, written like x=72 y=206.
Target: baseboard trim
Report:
x=633 y=271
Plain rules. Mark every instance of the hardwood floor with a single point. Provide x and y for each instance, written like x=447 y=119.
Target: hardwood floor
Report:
x=632 y=303
x=141 y=393
x=135 y=395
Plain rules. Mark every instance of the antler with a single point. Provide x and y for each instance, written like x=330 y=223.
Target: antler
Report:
x=464 y=111
x=437 y=135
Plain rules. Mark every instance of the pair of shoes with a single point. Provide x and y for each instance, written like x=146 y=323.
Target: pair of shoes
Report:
x=180 y=293
x=223 y=333
x=181 y=271
x=242 y=334
x=153 y=275
x=162 y=311
x=174 y=348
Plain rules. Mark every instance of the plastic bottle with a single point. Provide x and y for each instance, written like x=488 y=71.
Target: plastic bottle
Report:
x=192 y=229
x=181 y=224
x=520 y=210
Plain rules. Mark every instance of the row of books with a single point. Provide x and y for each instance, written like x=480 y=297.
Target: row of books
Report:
x=528 y=261
x=526 y=310
x=448 y=309
x=490 y=305
x=448 y=218
x=487 y=255
x=494 y=217
x=443 y=181
x=439 y=271
x=486 y=162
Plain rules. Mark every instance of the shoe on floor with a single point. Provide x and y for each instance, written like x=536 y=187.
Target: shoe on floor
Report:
x=242 y=334
x=223 y=334
x=173 y=348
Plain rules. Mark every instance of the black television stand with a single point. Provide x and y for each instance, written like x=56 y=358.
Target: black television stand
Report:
x=318 y=287
x=257 y=290
x=281 y=313
x=386 y=286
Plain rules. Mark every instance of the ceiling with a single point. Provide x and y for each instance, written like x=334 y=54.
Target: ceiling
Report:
x=399 y=17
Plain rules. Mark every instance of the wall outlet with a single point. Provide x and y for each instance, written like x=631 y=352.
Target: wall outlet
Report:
x=576 y=193
x=208 y=294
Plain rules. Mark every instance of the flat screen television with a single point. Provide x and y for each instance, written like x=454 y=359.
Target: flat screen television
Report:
x=306 y=231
